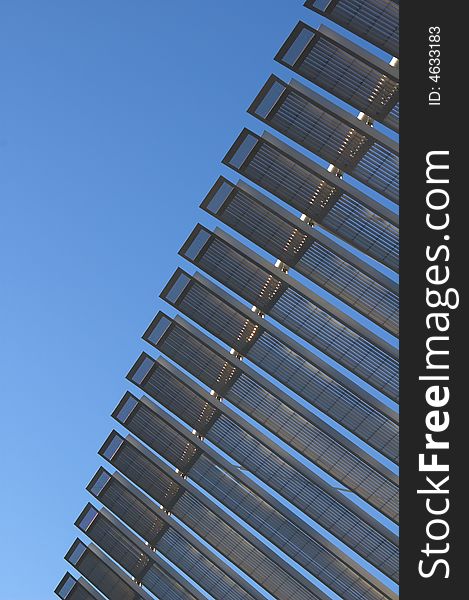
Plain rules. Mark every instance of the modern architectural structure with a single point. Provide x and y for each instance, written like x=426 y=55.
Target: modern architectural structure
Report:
x=256 y=456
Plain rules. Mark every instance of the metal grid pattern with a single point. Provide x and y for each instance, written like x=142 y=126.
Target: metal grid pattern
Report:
x=337 y=211
x=393 y=118
x=369 y=233
x=336 y=68
x=172 y=545
x=254 y=456
x=239 y=551
x=311 y=258
x=104 y=578
x=197 y=359
x=333 y=399
x=351 y=285
x=337 y=142
x=162 y=438
x=261 y=226
x=325 y=393
x=383 y=432
x=379 y=168
x=118 y=546
x=194 y=356
x=293 y=310
x=196 y=566
x=239 y=274
x=162 y=586
x=347 y=347
x=166 y=389
x=146 y=475
x=376 y=21
x=305 y=437
x=290 y=484
x=213 y=529
x=290 y=181
x=309 y=553
x=227 y=324
x=132 y=511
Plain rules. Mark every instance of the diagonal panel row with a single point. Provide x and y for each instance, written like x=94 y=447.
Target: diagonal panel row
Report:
x=142 y=562
x=202 y=515
x=254 y=504
x=344 y=69
x=330 y=132
x=163 y=533
x=321 y=196
x=266 y=471
x=376 y=21
x=261 y=455
x=307 y=250
x=115 y=584
x=307 y=314
x=222 y=372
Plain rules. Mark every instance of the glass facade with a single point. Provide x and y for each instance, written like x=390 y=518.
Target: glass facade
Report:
x=262 y=461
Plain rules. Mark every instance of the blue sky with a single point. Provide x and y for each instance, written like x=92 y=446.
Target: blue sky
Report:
x=114 y=118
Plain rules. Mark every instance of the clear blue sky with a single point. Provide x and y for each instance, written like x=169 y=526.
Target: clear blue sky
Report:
x=114 y=118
